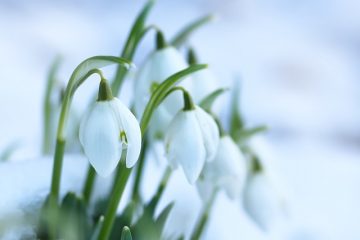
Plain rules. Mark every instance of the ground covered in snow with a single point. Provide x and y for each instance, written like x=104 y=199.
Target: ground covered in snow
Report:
x=298 y=64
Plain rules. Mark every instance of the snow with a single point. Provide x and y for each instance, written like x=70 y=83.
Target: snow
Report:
x=298 y=62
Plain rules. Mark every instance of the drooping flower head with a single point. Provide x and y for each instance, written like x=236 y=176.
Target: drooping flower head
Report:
x=227 y=171
x=106 y=130
x=261 y=200
x=191 y=139
x=203 y=82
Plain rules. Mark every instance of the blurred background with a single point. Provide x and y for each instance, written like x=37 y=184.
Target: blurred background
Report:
x=298 y=63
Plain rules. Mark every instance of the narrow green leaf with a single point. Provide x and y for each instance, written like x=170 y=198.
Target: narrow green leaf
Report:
x=137 y=32
x=207 y=102
x=160 y=221
x=9 y=151
x=124 y=219
x=48 y=107
x=126 y=234
x=247 y=133
x=46 y=219
x=75 y=223
x=96 y=232
x=236 y=120
x=184 y=34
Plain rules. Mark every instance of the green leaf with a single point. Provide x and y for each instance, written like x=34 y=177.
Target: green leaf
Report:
x=207 y=102
x=46 y=218
x=137 y=32
x=48 y=106
x=96 y=232
x=160 y=221
x=184 y=34
x=125 y=219
x=145 y=228
x=75 y=222
x=160 y=93
x=9 y=150
x=126 y=234
x=236 y=120
x=247 y=133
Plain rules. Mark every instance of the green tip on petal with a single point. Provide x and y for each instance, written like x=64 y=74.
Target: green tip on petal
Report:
x=105 y=93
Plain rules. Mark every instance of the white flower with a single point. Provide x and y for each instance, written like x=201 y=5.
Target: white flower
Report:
x=160 y=65
x=261 y=200
x=192 y=138
x=107 y=129
x=227 y=171
x=203 y=82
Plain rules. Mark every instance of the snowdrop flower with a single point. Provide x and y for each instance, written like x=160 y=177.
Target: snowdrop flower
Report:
x=107 y=129
x=203 y=82
x=227 y=171
x=161 y=64
x=261 y=200
x=191 y=139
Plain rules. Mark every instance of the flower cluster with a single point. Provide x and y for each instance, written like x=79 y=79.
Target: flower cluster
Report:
x=172 y=104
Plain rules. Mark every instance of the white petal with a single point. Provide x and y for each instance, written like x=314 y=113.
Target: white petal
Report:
x=205 y=188
x=159 y=122
x=129 y=124
x=210 y=132
x=203 y=83
x=158 y=66
x=99 y=138
x=261 y=201
x=184 y=144
x=228 y=169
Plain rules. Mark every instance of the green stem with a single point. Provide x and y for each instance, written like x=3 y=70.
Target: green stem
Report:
x=55 y=185
x=135 y=192
x=114 y=201
x=188 y=102
x=56 y=174
x=201 y=224
x=162 y=186
x=89 y=183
